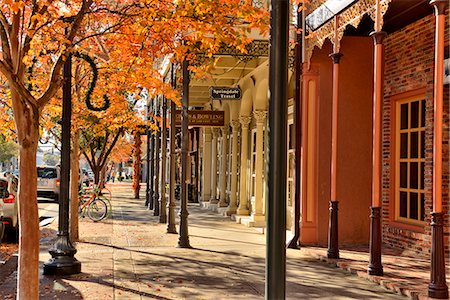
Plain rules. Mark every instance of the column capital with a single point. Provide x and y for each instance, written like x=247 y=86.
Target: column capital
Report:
x=260 y=116
x=215 y=132
x=336 y=57
x=235 y=124
x=245 y=121
x=439 y=6
x=378 y=36
x=224 y=130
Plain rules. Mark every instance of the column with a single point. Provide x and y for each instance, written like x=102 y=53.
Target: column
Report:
x=223 y=168
x=243 y=196
x=333 y=237
x=213 y=199
x=162 y=187
x=156 y=178
x=232 y=207
x=206 y=172
x=260 y=117
x=437 y=287
x=375 y=266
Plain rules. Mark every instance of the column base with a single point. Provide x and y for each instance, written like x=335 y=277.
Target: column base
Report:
x=333 y=238
x=437 y=287
x=231 y=210
x=375 y=265
x=242 y=211
x=222 y=203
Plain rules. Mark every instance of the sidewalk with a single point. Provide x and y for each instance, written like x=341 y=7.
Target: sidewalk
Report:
x=132 y=257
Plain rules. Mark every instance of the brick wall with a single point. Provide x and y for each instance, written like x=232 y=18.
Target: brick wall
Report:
x=409 y=66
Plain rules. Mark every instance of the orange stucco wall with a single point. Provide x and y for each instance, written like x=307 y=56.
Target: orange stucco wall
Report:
x=354 y=139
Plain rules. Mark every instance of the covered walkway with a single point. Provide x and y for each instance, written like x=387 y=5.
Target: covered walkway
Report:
x=132 y=257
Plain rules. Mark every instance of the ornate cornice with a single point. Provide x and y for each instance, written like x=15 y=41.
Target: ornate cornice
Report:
x=352 y=16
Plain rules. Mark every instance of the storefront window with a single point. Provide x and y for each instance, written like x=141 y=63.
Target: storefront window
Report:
x=410 y=161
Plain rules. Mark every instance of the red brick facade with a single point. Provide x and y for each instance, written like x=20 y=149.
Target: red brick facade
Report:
x=409 y=67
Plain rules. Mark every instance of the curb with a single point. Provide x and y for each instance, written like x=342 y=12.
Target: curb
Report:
x=387 y=283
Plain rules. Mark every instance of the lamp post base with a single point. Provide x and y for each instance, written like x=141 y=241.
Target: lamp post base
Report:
x=63 y=261
x=375 y=266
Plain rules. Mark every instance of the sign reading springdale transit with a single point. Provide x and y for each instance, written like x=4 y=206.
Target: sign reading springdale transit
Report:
x=203 y=118
x=224 y=93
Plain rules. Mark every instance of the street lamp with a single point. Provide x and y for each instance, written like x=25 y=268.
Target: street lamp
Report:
x=63 y=261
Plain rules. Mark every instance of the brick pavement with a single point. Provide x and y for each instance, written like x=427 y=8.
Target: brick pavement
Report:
x=132 y=257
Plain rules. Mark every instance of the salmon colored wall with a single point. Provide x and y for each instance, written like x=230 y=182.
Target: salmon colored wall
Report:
x=354 y=139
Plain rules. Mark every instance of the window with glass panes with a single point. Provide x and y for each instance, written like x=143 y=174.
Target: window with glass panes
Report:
x=410 y=161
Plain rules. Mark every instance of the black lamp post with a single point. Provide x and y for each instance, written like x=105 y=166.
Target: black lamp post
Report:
x=276 y=204
x=63 y=261
x=156 y=164
x=183 y=241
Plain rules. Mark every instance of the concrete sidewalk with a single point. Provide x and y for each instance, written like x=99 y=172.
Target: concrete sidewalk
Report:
x=132 y=257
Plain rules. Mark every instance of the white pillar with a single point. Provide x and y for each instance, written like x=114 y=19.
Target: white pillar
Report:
x=214 y=166
x=232 y=207
x=258 y=214
x=243 y=195
x=206 y=172
x=223 y=168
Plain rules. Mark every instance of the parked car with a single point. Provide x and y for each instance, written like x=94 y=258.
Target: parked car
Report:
x=9 y=184
x=48 y=182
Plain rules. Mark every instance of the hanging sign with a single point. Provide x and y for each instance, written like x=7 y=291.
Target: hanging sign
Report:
x=203 y=118
x=224 y=93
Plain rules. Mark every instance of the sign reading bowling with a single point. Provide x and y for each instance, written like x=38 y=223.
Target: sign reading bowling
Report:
x=224 y=93
x=203 y=118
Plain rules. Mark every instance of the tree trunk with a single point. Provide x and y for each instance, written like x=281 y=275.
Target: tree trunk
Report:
x=27 y=124
x=137 y=164
x=74 y=183
x=96 y=170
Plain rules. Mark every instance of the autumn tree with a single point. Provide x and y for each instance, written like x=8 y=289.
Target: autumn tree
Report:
x=36 y=37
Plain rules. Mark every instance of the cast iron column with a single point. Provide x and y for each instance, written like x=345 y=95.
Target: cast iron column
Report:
x=183 y=241
x=162 y=196
x=156 y=165
x=171 y=225
x=375 y=266
x=437 y=287
x=147 y=129
x=63 y=261
x=294 y=243
x=276 y=205
x=151 y=205
x=333 y=234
